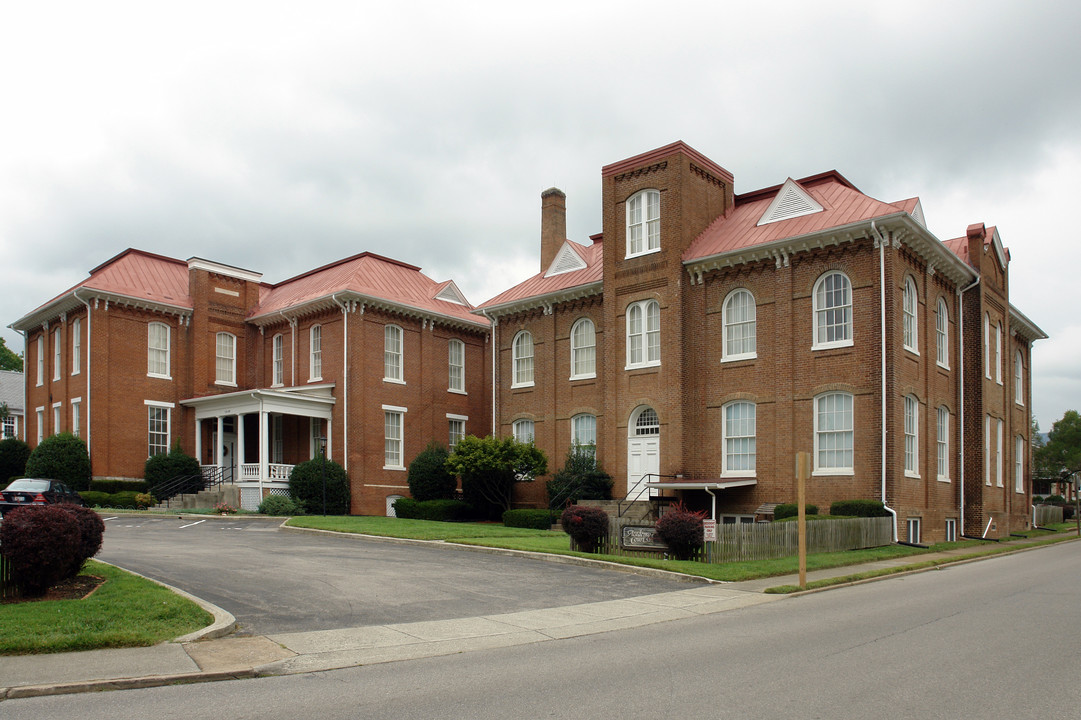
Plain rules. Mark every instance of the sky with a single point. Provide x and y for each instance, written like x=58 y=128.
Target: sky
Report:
x=280 y=136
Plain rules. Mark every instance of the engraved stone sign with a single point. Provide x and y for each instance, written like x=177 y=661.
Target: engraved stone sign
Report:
x=640 y=536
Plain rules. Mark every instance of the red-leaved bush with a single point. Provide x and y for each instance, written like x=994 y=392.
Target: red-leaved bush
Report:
x=91 y=529
x=681 y=531
x=586 y=526
x=40 y=542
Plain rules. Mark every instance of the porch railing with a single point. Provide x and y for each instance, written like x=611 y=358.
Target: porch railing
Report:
x=249 y=472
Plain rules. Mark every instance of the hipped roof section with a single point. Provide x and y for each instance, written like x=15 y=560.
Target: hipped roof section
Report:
x=544 y=289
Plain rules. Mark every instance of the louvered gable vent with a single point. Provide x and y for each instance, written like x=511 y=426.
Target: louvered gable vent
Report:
x=451 y=293
x=917 y=214
x=791 y=201
x=567 y=260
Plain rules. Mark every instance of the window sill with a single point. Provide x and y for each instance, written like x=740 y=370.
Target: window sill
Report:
x=225 y=383
x=942 y=367
x=520 y=386
x=315 y=379
x=910 y=474
x=652 y=251
x=156 y=376
x=457 y=392
x=834 y=472
x=738 y=358
x=832 y=345
x=912 y=351
x=943 y=479
x=592 y=376
x=396 y=468
x=393 y=381
x=740 y=475
x=643 y=366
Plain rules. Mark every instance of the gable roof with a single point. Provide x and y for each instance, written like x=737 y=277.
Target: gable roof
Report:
x=13 y=391
x=543 y=289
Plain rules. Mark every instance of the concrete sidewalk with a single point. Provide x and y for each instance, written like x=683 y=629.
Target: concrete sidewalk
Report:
x=211 y=657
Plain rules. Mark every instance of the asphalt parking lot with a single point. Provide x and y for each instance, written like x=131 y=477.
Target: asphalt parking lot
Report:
x=277 y=581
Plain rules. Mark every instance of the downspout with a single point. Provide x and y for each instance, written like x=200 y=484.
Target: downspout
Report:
x=881 y=240
x=495 y=385
x=713 y=503
x=293 y=350
x=89 y=354
x=345 y=381
x=961 y=385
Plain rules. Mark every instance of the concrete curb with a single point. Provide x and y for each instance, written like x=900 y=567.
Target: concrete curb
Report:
x=28 y=691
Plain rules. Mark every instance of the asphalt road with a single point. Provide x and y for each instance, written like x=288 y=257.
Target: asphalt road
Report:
x=277 y=581
x=988 y=640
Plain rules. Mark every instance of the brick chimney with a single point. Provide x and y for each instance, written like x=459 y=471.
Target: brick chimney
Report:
x=553 y=224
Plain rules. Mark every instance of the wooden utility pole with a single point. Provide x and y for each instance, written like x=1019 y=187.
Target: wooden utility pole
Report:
x=803 y=471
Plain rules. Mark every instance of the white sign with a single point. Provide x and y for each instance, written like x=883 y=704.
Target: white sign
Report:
x=709 y=530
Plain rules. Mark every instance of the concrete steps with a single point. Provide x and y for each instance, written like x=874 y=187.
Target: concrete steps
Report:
x=228 y=494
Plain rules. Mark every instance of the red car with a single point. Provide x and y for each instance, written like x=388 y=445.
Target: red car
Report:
x=31 y=491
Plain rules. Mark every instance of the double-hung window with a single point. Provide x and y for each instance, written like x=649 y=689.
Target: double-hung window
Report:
x=738 y=433
x=833 y=434
x=56 y=354
x=943 y=438
x=910 y=308
x=584 y=434
x=278 y=361
x=392 y=354
x=644 y=223
x=225 y=359
x=998 y=353
x=643 y=334
x=393 y=437
x=76 y=346
x=738 y=326
x=315 y=353
x=522 y=359
x=832 y=298
x=912 y=436
x=157 y=428
x=523 y=430
x=41 y=359
x=1019 y=464
x=1019 y=378
x=157 y=350
x=942 y=335
x=583 y=350
x=456 y=366
x=456 y=429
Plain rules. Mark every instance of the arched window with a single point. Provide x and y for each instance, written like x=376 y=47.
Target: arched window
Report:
x=832 y=311
x=315 y=356
x=738 y=438
x=392 y=353
x=643 y=334
x=910 y=304
x=833 y=434
x=987 y=346
x=738 y=326
x=647 y=423
x=523 y=430
x=643 y=223
x=225 y=359
x=912 y=436
x=942 y=334
x=998 y=353
x=1019 y=378
x=522 y=355
x=157 y=350
x=583 y=349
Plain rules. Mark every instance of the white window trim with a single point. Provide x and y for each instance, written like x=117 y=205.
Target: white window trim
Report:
x=942 y=437
x=58 y=355
x=76 y=415
x=815 y=310
x=951 y=529
x=521 y=422
x=398 y=379
x=910 y=333
x=575 y=422
x=725 y=472
x=168 y=407
x=401 y=411
x=167 y=375
x=914 y=523
x=998 y=454
x=451 y=417
x=575 y=349
x=643 y=307
x=232 y=361
x=838 y=471
x=642 y=196
x=987 y=450
x=733 y=357
x=914 y=403
x=455 y=342
x=40 y=412
x=998 y=352
x=57 y=416
x=1019 y=379
x=1019 y=465
x=315 y=357
x=942 y=339
x=76 y=346
x=277 y=360
x=514 y=359
x=987 y=345
x=41 y=360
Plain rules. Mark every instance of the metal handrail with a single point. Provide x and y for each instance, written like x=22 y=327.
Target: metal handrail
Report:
x=644 y=488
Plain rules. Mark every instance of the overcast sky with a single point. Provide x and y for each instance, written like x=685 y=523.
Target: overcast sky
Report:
x=279 y=136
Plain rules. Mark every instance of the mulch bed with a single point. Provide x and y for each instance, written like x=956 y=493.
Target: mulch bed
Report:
x=76 y=588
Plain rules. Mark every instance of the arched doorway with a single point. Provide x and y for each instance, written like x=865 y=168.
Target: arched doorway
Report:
x=643 y=452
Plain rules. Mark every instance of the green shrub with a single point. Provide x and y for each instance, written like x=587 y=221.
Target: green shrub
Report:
x=13 y=455
x=279 y=505
x=161 y=470
x=859 y=508
x=580 y=478
x=143 y=500
x=41 y=544
x=785 y=510
x=436 y=510
x=123 y=500
x=306 y=486
x=535 y=519
x=113 y=486
x=681 y=530
x=91 y=530
x=429 y=478
x=93 y=498
x=586 y=525
x=61 y=457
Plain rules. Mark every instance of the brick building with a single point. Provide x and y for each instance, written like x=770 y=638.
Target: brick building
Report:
x=704 y=338
x=698 y=343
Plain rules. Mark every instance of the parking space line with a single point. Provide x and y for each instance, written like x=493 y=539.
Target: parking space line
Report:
x=190 y=524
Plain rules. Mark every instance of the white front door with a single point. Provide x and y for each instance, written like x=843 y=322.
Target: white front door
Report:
x=643 y=459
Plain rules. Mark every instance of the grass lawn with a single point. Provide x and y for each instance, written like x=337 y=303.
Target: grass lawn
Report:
x=125 y=611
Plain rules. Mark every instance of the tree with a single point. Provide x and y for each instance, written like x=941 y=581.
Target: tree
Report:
x=61 y=457
x=581 y=478
x=8 y=359
x=13 y=455
x=429 y=478
x=490 y=466
x=1063 y=448
x=165 y=467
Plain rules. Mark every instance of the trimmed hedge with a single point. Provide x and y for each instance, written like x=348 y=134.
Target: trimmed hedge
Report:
x=125 y=500
x=41 y=545
x=93 y=498
x=306 y=486
x=858 y=508
x=437 y=510
x=13 y=455
x=785 y=510
x=115 y=486
x=428 y=476
x=534 y=519
x=278 y=505
x=681 y=530
x=61 y=457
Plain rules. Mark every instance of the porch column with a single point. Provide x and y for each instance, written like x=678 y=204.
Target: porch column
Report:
x=264 y=450
x=219 y=451
x=240 y=444
x=199 y=440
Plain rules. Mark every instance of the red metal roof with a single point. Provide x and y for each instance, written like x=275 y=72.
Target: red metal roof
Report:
x=365 y=274
x=842 y=205
x=539 y=285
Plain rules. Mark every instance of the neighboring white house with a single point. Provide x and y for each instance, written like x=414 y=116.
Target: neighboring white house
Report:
x=13 y=393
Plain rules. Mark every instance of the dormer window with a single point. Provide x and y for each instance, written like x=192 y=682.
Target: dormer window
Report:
x=644 y=223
